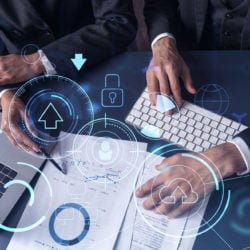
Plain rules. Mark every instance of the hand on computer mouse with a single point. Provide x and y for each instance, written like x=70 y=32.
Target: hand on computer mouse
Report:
x=165 y=70
x=185 y=181
x=12 y=113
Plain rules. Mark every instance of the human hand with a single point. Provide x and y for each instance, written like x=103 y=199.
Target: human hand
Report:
x=191 y=177
x=13 y=68
x=12 y=113
x=165 y=70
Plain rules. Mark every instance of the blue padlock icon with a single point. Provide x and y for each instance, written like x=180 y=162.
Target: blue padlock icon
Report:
x=112 y=97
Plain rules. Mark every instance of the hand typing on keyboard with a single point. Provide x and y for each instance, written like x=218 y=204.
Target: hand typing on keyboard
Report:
x=157 y=191
x=165 y=70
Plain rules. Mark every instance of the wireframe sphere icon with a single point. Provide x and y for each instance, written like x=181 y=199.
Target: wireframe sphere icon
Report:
x=213 y=97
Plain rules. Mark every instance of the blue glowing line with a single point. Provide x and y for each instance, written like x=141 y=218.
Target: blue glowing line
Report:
x=39 y=171
x=27 y=185
x=207 y=165
x=59 y=97
x=21 y=230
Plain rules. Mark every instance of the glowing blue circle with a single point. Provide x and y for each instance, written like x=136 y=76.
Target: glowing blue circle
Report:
x=84 y=232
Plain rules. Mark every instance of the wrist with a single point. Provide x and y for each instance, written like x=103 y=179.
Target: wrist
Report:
x=227 y=159
x=37 y=67
x=165 y=41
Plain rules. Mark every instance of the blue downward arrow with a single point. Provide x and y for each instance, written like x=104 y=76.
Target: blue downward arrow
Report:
x=78 y=61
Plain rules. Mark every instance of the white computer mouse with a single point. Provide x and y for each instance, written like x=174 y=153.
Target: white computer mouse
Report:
x=164 y=104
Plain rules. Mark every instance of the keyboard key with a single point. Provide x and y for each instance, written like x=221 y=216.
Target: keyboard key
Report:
x=198 y=117
x=145 y=110
x=12 y=174
x=159 y=124
x=1 y=176
x=146 y=103
x=182 y=142
x=206 y=129
x=174 y=122
x=198 y=125
x=223 y=136
x=167 y=119
x=138 y=106
x=222 y=127
x=181 y=125
x=197 y=141
x=183 y=119
x=6 y=170
x=145 y=117
x=230 y=131
x=1 y=167
x=235 y=125
x=174 y=130
x=214 y=124
x=183 y=111
x=130 y=119
x=206 y=121
x=182 y=134
x=198 y=149
x=190 y=146
x=159 y=116
x=213 y=140
x=197 y=132
x=190 y=129
x=167 y=135
x=174 y=139
x=191 y=122
x=6 y=179
x=137 y=122
x=167 y=127
x=206 y=144
x=205 y=136
x=190 y=114
x=152 y=120
x=190 y=137
x=152 y=113
x=215 y=132
x=226 y=121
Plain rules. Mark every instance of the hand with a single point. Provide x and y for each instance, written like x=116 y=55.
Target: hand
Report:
x=13 y=68
x=12 y=113
x=225 y=157
x=164 y=71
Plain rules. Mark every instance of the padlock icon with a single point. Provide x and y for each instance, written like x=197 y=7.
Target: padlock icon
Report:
x=112 y=97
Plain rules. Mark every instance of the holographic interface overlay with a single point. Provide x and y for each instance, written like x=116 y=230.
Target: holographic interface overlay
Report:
x=86 y=224
x=34 y=221
x=106 y=151
x=165 y=109
x=167 y=195
x=52 y=104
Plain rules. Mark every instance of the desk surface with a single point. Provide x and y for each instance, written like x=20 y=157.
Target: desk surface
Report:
x=229 y=69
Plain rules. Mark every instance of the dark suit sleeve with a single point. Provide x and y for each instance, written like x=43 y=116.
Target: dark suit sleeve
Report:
x=245 y=135
x=113 y=30
x=160 y=17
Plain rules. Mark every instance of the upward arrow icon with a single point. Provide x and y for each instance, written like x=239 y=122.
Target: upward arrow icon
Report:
x=50 y=117
x=78 y=61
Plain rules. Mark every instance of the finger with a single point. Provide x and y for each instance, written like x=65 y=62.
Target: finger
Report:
x=153 y=86
x=188 y=82
x=146 y=188
x=163 y=82
x=182 y=209
x=156 y=197
x=175 y=87
x=23 y=140
x=165 y=207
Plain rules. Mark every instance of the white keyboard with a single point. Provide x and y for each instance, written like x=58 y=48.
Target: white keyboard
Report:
x=193 y=128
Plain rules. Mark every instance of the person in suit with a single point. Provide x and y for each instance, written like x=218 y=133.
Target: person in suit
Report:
x=193 y=25
x=60 y=28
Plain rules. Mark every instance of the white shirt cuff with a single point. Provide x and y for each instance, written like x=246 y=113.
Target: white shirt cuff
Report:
x=49 y=68
x=160 y=37
x=244 y=151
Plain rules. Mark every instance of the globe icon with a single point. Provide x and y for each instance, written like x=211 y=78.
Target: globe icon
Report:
x=212 y=97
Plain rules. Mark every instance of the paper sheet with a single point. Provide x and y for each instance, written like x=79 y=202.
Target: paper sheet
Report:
x=105 y=204
x=138 y=235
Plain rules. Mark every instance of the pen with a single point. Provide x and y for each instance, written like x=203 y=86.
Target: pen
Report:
x=53 y=162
